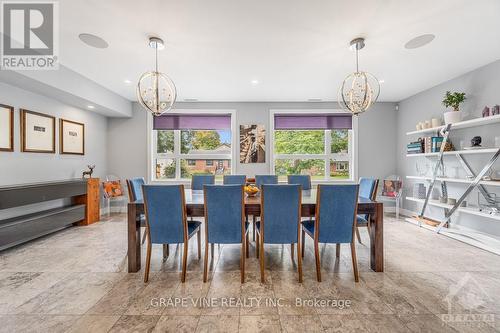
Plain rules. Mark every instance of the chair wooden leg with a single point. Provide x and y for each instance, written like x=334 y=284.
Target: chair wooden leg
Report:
x=337 y=252
x=257 y=247
x=165 y=251
x=242 y=261
x=205 y=264
x=354 y=262
x=262 y=266
x=318 y=264
x=148 y=263
x=247 y=245
x=184 y=261
x=212 y=249
x=144 y=235
x=299 y=259
x=199 y=244
x=303 y=243
x=292 y=248
x=358 y=236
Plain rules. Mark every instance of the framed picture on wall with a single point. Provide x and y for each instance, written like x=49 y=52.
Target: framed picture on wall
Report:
x=72 y=137
x=38 y=132
x=252 y=144
x=6 y=128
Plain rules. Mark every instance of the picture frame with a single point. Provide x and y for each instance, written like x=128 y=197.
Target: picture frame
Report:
x=71 y=137
x=6 y=128
x=252 y=144
x=38 y=132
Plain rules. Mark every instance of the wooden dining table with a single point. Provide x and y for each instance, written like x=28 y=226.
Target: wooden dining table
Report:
x=195 y=208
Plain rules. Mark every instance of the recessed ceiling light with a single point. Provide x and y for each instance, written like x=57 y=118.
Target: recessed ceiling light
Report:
x=93 y=40
x=91 y=107
x=419 y=41
x=127 y=81
x=254 y=82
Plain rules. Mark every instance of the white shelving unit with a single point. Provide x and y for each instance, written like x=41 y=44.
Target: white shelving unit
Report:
x=471 y=237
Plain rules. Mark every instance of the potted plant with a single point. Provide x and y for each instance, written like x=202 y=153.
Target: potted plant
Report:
x=453 y=100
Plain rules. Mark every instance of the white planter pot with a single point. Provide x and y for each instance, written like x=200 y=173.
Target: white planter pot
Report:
x=452 y=117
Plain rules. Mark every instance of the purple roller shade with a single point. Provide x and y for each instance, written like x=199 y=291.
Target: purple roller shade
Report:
x=192 y=121
x=312 y=121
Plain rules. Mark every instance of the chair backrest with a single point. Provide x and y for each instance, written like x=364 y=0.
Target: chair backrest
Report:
x=368 y=187
x=224 y=213
x=280 y=213
x=336 y=209
x=134 y=186
x=304 y=180
x=165 y=210
x=265 y=179
x=234 y=179
x=197 y=181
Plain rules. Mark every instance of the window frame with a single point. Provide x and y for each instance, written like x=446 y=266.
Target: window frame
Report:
x=326 y=156
x=177 y=155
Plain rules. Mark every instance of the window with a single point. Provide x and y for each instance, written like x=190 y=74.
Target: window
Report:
x=318 y=145
x=184 y=145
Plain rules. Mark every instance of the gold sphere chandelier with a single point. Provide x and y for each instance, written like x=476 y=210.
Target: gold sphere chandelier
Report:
x=359 y=90
x=156 y=91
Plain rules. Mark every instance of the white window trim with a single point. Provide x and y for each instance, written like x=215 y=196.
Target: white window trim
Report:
x=353 y=148
x=177 y=180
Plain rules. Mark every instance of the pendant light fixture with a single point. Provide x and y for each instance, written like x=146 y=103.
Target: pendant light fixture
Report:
x=156 y=91
x=360 y=90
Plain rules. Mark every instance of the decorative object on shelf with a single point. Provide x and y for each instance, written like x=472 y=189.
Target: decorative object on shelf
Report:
x=419 y=191
x=495 y=175
x=419 y=126
x=427 y=124
x=443 y=199
x=360 y=90
x=88 y=172
x=486 y=112
x=6 y=128
x=416 y=147
x=252 y=144
x=451 y=201
x=463 y=204
x=72 y=137
x=453 y=100
x=156 y=92
x=476 y=141
x=497 y=141
x=492 y=204
x=435 y=122
x=38 y=132
x=495 y=110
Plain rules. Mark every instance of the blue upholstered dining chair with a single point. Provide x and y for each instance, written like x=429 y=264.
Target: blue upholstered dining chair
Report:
x=165 y=209
x=234 y=179
x=279 y=220
x=335 y=219
x=265 y=179
x=303 y=180
x=367 y=189
x=197 y=181
x=225 y=221
x=134 y=187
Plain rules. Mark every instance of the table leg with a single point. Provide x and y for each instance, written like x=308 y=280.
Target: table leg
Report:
x=376 y=231
x=134 y=240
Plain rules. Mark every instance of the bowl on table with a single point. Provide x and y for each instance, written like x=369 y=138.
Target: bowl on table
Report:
x=251 y=190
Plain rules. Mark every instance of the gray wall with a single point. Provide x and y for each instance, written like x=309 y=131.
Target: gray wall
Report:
x=127 y=138
x=18 y=167
x=482 y=87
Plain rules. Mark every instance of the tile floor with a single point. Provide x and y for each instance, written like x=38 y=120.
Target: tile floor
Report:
x=76 y=281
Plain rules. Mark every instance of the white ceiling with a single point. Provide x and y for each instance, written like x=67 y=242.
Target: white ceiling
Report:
x=297 y=50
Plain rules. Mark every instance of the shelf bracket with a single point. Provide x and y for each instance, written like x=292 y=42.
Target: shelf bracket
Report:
x=445 y=133
x=471 y=186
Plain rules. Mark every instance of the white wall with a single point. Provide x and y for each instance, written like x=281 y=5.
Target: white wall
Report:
x=127 y=138
x=17 y=167
x=482 y=87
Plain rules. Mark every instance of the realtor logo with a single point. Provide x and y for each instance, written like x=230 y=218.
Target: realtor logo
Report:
x=30 y=35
